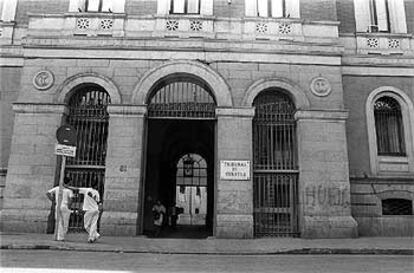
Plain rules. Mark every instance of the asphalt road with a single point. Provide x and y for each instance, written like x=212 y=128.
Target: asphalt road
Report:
x=44 y=261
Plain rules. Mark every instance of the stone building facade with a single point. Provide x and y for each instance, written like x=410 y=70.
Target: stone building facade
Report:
x=302 y=111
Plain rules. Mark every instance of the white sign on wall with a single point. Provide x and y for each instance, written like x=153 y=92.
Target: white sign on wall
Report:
x=235 y=169
x=65 y=150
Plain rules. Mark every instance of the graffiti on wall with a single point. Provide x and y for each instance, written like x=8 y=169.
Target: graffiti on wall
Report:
x=326 y=196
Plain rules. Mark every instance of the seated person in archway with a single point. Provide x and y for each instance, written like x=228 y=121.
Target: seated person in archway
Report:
x=158 y=214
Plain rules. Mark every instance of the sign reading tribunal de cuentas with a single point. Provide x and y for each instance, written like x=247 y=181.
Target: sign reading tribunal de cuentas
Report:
x=235 y=169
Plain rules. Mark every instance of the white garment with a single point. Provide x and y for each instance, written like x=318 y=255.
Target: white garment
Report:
x=90 y=221
x=64 y=211
x=162 y=211
x=90 y=206
x=91 y=198
x=63 y=223
x=66 y=196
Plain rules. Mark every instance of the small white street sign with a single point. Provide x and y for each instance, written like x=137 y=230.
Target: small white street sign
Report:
x=235 y=169
x=65 y=150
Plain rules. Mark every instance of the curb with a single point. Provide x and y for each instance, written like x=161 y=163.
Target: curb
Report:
x=300 y=251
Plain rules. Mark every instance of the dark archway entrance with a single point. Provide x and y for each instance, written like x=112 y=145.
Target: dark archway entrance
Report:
x=181 y=126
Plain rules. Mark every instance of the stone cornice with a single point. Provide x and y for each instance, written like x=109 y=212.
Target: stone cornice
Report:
x=379 y=61
x=39 y=108
x=127 y=110
x=330 y=115
x=196 y=45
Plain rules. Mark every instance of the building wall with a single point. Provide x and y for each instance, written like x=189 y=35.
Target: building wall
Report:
x=368 y=189
x=10 y=87
x=356 y=91
x=324 y=10
x=242 y=61
x=39 y=6
x=345 y=13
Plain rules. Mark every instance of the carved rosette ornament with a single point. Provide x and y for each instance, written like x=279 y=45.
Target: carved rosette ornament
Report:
x=43 y=80
x=320 y=87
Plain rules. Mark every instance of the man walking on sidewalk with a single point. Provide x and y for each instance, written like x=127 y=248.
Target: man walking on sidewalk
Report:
x=92 y=206
x=65 y=211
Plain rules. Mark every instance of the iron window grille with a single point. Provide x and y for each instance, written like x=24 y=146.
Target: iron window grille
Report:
x=389 y=127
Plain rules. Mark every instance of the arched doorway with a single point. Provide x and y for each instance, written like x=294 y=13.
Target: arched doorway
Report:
x=181 y=125
x=275 y=168
x=88 y=115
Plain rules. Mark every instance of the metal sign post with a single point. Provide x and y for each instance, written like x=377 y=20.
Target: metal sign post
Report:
x=60 y=195
x=66 y=136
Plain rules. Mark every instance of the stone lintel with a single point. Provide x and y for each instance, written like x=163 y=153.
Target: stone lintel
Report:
x=39 y=108
x=245 y=112
x=127 y=110
x=334 y=115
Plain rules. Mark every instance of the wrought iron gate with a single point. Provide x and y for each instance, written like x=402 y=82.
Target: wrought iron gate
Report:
x=275 y=170
x=88 y=115
x=182 y=98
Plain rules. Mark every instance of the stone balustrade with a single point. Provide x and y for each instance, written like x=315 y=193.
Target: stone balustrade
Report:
x=175 y=26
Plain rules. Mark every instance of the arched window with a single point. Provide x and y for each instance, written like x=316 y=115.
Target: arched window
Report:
x=191 y=189
x=181 y=97
x=275 y=168
x=389 y=127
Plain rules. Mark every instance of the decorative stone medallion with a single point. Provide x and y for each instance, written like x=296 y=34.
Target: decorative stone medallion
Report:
x=43 y=80
x=320 y=87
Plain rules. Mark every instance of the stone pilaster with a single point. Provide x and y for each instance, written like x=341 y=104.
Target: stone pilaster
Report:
x=234 y=199
x=123 y=174
x=324 y=188
x=32 y=167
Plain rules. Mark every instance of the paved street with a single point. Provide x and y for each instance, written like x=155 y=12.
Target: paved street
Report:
x=36 y=261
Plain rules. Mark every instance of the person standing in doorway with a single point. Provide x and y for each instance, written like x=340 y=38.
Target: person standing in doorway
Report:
x=65 y=211
x=158 y=213
x=92 y=206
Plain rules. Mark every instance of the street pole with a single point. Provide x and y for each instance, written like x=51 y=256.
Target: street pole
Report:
x=60 y=195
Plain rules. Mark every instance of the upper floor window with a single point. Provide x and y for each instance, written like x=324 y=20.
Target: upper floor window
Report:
x=97 y=6
x=389 y=127
x=272 y=8
x=185 y=7
x=203 y=7
x=380 y=16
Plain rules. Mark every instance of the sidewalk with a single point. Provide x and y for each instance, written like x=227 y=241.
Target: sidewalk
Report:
x=142 y=244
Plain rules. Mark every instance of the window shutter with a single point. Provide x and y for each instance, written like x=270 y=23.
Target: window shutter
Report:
x=250 y=7
x=382 y=15
x=9 y=10
x=178 y=6
x=262 y=7
x=206 y=7
x=107 y=5
x=118 y=6
x=362 y=15
x=397 y=16
x=163 y=7
x=277 y=8
x=75 y=5
x=93 y=5
x=292 y=8
x=192 y=6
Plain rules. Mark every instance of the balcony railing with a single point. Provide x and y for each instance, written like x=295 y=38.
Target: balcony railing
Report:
x=180 y=26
